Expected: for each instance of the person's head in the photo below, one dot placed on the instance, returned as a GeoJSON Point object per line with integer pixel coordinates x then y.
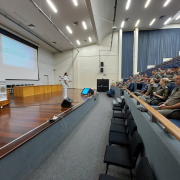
{"type": "Point", "coordinates": [162, 72]}
{"type": "Point", "coordinates": [159, 69]}
{"type": "Point", "coordinates": [128, 81]}
{"type": "Point", "coordinates": [130, 77]}
{"type": "Point", "coordinates": [176, 68]}
{"type": "Point", "coordinates": [169, 70]}
{"type": "Point", "coordinates": [153, 72]}
{"type": "Point", "coordinates": [164, 81]}
{"type": "Point", "coordinates": [177, 80]}
{"type": "Point", "coordinates": [65, 74]}
{"type": "Point", "coordinates": [145, 75]}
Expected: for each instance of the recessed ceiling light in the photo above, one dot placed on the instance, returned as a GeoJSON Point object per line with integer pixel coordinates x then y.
{"type": "Point", "coordinates": [52, 6]}
{"type": "Point", "coordinates": [147, 3]}
{"type": "Point", "coordinates": [122, 24]}
{"type": "Point", "coordinates": [78, 42]}
{"type": "Point", "coordinates": [178, 17]}
{"type": "Point", "coordinates": [75, 2]}
{"type": "Point", "coordinates": [90, 39]}
{"type": "Point", "coordinates": [167, 21]}
{"type": "Point", "coordinates": [128, 4]}
{"type": "Point", "coordinates": [166, 3]}
{"type": "Point", "coordinates": [84, 25]}
{"type": "Point", "coordinates": [68, 28]}
{"type": "Point", "coordinates": [152, 22]}
{"type": "Point", "coordinates": [53, 43]}
{"type": "Point", "coordinates": [137, 23]}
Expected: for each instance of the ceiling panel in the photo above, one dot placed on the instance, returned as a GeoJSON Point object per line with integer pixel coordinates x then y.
{"type": "Point", "coordinates": [103, 11]}
{"type": "Point", "coordinates": [26, 13]}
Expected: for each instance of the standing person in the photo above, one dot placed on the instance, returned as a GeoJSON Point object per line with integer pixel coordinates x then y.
{"type": "Point", "coordinates": [65, 85]}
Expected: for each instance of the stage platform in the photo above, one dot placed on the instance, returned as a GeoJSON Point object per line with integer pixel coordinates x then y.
{"type": "Point", "coordinates": [26, 117]}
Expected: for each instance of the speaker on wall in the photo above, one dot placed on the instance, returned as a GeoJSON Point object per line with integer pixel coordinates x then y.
{"type": "Point", "coordinates": [66, 103]}
{"type": "Point", "coordinates": [101, 69]}
{"type": "Point", "coordinates": [102, 64]}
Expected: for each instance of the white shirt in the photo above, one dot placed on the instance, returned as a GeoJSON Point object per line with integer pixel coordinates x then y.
{"type": "Point", "coordinates": [65, 79]}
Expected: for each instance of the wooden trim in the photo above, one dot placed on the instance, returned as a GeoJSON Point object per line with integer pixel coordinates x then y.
{"type": "Point", "coordinates": [173, 129]}
{"type": "Point", "coordinates": [22, 140]}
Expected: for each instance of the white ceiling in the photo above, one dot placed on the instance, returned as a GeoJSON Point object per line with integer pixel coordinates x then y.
{"type": "Point", "coordinates": [104, 9]}
{"type": "Point", "coordinates": [98, 15]}
{"type": "Point", "coordinates": [26, 13]}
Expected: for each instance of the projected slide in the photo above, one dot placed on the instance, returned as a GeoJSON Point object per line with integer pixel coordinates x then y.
{"type": "Point", "coordinates": [17, 60]}
{"type": "Point", "coordinates": [17, 54]}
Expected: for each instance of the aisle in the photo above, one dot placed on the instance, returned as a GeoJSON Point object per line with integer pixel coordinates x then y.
{"type": "Point", "coordinates": [80, 156]}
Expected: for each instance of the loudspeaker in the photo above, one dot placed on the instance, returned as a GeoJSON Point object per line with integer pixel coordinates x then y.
{"type": "Point", "coordinates": [101, 70]}
{"type": "Point", "coordinates": [102, 64]}
{"type": "Point", "coordinates": [66, 103]}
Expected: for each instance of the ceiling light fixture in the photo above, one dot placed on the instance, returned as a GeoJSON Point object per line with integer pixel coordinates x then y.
{"type": "Point", "coordinates": [78, 42]}
{"type": "Point", "coordinates": [167, 21]}
{"type": "Point", "coordinates": [90, 39]}
{"type": "Point", "coordinates": [178, 17]}
{"type": "Point", "coordinates": [75, 2]}
{"type": "Point", "coordinates": [137, 23]}
{"type": "Point", "coordinates": [52, 6]}
{"type": "Point", "coordinates": [147, 3]}
{"type": "Point", "coordinates": [152, 22]}
{"type": "Point", "coordinates": [128, 4]}
{"type": "Point", "coordinates": [68, 28]}
{"type": "Point", "coordinates": [166, 3]}
{"type": "Point", "coordinates": [84, 25]}
{"type": "Point", "coordinates": [122, 24]}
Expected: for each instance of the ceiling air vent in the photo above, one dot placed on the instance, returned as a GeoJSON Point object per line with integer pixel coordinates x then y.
{"type": "Point", "coordinates": [54, 43]}
{"type": "Point", "coordinates": [76, 23]}
{"type": "Point", "coordinates": [127, 19]}
{"type": "Point", "coordinates": [162, 17]}
{"type": "Point", "coordinates": [31, 26]}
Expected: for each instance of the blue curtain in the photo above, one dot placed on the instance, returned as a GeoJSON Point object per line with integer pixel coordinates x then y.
{"type": "Point", "coordinates": [127, 54]}
{"type": "Point", "coordinates": [155, 45]}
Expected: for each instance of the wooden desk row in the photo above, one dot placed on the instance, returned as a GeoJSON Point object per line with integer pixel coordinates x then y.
{"type": "Point", "coordinates": [24, 91]}
{"type": "Point", "coordinates": [4, 103]}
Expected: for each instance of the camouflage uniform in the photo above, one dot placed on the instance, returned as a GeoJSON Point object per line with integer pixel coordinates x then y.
{"type": "Point", "coordinates": [161, 91]}
{"type": "Point", "coordinates": [172, 100]}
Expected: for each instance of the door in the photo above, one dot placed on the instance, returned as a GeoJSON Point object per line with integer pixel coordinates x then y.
{"type": "Point", "coordinates": [46, 80]}
{"type": "Point", "coordinates": [102, 85]}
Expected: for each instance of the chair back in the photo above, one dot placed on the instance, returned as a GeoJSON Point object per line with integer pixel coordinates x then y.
{"type": "Point", "coordinates": [132, 127]}
{"type": "Point", "coordinates": [143, 171]}
{"type": "Point", "coordinates": [136, 147]}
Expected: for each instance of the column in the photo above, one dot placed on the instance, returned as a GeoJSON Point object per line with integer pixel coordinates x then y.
{"type": "Point", "coordinates": [135, 59]}
{"type": "Point", "coordinates": [120, 54]}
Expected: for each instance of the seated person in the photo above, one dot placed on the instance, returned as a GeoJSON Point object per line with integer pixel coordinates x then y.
{"type": "Point", "coordinates": [170, 73]}
{"type": "Point", "coordinates": [127, 84]}
{"type": "Point", "coordinates": [161, 93]}
{"type": "Point", "coordinates": [155, 74]}
{"type": "Point", "coordinates": [172, 103]}
{"type": "Point", "coordinates": [152, 87]}
{"type": "Point", "coordinates": [176, 71]}
{"type": "Point", "coordinates": [163, 74]}
{"type": "Point", "coordinates": [144, 90]}
{"type": "Point", "coordinates": [117, 83]}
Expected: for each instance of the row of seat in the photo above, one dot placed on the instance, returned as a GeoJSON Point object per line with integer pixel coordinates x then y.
{"type": "Point", "coordinates": [125, 145]}
{"type": "Point", "coordinates": [165, 65]}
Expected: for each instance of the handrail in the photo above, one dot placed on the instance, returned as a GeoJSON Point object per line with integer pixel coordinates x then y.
{"type": "Point", "coordinates": [173, 129]}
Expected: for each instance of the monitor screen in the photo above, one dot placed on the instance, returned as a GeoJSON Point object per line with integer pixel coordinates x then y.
{"type": "Point", "coordinates": [85, 91]}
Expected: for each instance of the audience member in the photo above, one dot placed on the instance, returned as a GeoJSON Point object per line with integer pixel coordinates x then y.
{"type": "Point", "coordinates": [173, 101]}
{"type": "Point", "coordinates": [161, 93]}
